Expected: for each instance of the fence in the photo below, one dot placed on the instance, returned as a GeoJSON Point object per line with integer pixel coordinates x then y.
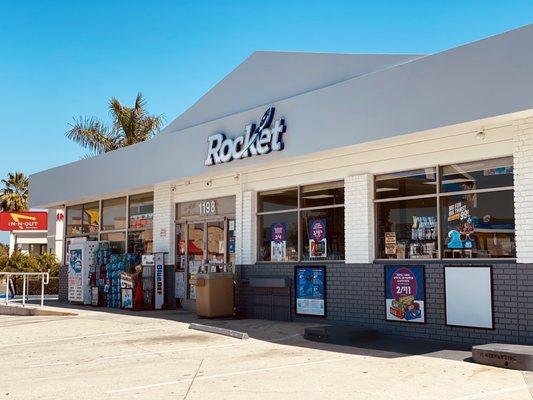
{"type": "Point", "coordinates": [45, 279]}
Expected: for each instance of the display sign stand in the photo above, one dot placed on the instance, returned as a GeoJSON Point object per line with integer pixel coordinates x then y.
{"type": "Point", "coordinates": [310, 290]}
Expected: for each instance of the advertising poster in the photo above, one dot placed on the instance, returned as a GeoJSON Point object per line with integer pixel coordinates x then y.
{"type": "Point", "coordinates": [278, 242]}
{"type": "Point", "coordinates": [310, 291]}
{"type": "Point", "coordinates": [317, 238]}
{"type": "Point", "coordinates": [126, 296]}
{"type": "Point", "coordinates": [459, 226]}
{"type": "Point", "coordinates": [405, 293]}
{"type": "Point", "coordinates": [390, 243]}
{"type": "Point", "coordinates": [75, 279]}
{"type": "Point", "coordinates": [159, 281]}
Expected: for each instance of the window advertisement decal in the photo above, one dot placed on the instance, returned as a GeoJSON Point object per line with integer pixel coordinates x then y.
{"type": "Point", "coordinates": [278, 242]}
{"type": "Point", "coordinates": [317, 238]}
{"type": "Point", "coordinates": [310, 290]}
{"type": "Point", "coordinates": [405, 293]}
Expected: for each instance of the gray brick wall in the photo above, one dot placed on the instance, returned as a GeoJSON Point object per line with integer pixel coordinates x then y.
{"type": "Point", "coordinates": [355, 295]}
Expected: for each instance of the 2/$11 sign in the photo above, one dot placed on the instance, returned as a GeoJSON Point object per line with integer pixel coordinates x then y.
{"type": "Point", "coordinates": [255, 141]}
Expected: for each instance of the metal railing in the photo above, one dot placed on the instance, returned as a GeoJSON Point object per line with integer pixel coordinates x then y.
{"type": "Point", "coordinates": [45, 279]}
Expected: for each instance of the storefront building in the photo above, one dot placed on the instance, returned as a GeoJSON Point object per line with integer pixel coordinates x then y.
{"type": "Point", "coordinates": [388, 191]}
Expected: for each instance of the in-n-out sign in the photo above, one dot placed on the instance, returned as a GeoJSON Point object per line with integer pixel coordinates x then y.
{"type": "Point", "coordinates": [254, 141]}
{"type": "Point", "coordinates": [24, 221]}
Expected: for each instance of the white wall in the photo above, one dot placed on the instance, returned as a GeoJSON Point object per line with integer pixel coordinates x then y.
{"type": "Point", "coordinates": [356, 166]}
{"type": "Point", "coordinates": [523, 194]}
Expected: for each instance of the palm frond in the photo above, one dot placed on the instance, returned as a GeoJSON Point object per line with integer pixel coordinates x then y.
{"type": "Point", "coordinates": [92, 134]}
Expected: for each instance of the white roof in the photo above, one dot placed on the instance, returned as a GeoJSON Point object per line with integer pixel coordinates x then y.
{"type": "Point", "coordinates": [270, 76]}
{"type": "Point", "coordinates": [384, 98]}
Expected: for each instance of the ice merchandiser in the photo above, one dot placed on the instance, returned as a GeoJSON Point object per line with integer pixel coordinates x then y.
{"type": "Point", "coordinates": [81, 258]}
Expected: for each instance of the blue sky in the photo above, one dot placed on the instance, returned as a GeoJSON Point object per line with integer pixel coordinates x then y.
{"type": "Point", "coordinates": [61, 59]}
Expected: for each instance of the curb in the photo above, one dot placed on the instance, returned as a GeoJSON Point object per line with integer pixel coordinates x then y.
{"type": "Point", "coordinates": [220, 331]}
{"type": "Point", "coordinates": [31, 311]}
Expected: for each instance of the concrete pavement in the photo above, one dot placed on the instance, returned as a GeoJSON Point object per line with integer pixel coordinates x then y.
{"type": "Point", "coordinates": [117, 355]}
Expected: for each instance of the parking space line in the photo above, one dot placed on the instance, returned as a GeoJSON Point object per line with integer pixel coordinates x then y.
{"type": "Point", "coordinates": [84, 337]}
{"type": "Point", "coordinates": [224, 375]}
{"type": "Point", "coordinates": [149, 353]}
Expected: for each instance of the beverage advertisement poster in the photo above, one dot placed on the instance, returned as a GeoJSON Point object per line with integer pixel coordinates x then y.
{"type": "Point", "coordinates": [126, 297]}
{"type": "Point", "coordinates": [405, 293]}
{"type": "Point", "coordinates": [310, 290]}
{"type": "Point", "coordinates": [75, 279]}
{"type": "Point", "coordinates": [278, 242]}
{"type": "Point", "coordinates": [317, 238]}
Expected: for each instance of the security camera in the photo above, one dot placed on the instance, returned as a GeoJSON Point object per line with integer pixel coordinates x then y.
{"type": "Point", "coordinates": [208, 183]}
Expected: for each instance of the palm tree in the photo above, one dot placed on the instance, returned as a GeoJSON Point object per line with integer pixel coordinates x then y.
{"type": "Point", "coordinates": [14, 195]}
{"type": "Point", "coordinates": [130, 125]}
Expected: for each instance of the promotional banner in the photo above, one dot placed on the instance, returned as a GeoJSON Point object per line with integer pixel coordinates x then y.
{"type": "Point", "coordinates": [75, 279]}
{"type": "Point", "coordinates": [278, 242]}
{"type": "Point", "coordinates": [317, 238]}
{"type": "Point", "coordinates": [405, 293]}
{"type": "Point", "coordinates": [310, 290]}
{"type": "Point", "coordinates": [24, 221]}
{"type": "Point", "coordinates": [159, 280]}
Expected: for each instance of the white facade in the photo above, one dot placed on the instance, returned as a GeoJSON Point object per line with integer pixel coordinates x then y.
{"type": "Point", "coordinates": [348, 120]}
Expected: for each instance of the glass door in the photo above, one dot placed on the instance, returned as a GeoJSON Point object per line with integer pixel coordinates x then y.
{"type": "Point", "coordinates": [216, 243]}
{"type": "Point", "coordinates": [195, 252]}
{"type": "Point", "coordinates": [208, 241]}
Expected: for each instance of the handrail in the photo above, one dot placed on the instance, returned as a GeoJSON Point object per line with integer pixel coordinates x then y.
{"type": "Point", "coordinates": [45, 280]}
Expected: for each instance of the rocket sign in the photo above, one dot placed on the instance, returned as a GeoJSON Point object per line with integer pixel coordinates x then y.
{"type": "Point", "coordinates": [24, 221]}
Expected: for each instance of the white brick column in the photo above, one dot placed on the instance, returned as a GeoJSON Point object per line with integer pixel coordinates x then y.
{"type": "Point", "coordinates": [164, 220]}
{"type": "Point", "coordinates": [359, 218]}
{"type": "Point", "coordinates": [245, 221]}
{"type": "Point", "coordinates": [523, 189]}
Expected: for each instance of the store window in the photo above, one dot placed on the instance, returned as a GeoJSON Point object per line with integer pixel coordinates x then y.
{"type": "Point", "coordinates": [141, 216]}
{"type": "Point", "coordinates": [303, 223]}
{"type": "Point", "coordinates": [141, 211]}
{"type": "Point", "coordinates": [278, 237]}
{"type": "Point", "coordinates": [140, 242]}
{"type": "Point", "coordinates": [489, 174]}
{"type": "Point", "coordinates": [107, 220]}
{"type": "Point", "coordinates": [114, 214]}
{"type": "Point", "coordinates": [407, 228]}
{"type": "Point", "coordinates": [408, 183]}
{"type": "Point", "coordinates": [74, 223]}
{"type": "Point", "coordinates": [478, 218]}
{"type": "Point", "coordinates": [91, 218]}
{"type": "Point", "coordinates": [117, 241]}
{"type": "Point", "coordinates": [476, 212]}
{"type": "Point", "coordinates": [37, 249]}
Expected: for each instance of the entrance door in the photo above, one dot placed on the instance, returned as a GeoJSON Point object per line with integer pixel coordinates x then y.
{"type": "Point", "coordinates": [211, 244]}
{"type": "Point", "coordinates": [216, 242]}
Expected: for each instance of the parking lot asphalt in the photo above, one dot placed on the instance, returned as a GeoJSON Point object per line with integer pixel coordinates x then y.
{"type": "Point", "coordinates": [104, 354]}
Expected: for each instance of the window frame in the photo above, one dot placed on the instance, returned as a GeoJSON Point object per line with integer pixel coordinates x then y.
{"type": "Point", "coordinates": [438, 196]}
{"type": "Point", "coordinates": [298, 210]}
{"type": "Point", "coordinates": [100, 232]}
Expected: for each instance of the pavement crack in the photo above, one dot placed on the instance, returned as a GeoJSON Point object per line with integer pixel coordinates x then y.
{"type": "Point", "coordinates": [193, 378]}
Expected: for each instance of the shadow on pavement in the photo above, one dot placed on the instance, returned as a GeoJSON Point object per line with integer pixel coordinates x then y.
{"type": "Point", "coordinates": [291, 334]}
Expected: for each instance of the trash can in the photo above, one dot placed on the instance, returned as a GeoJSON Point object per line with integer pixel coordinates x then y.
{"type": "Point", "coordinates": [214, 294]}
